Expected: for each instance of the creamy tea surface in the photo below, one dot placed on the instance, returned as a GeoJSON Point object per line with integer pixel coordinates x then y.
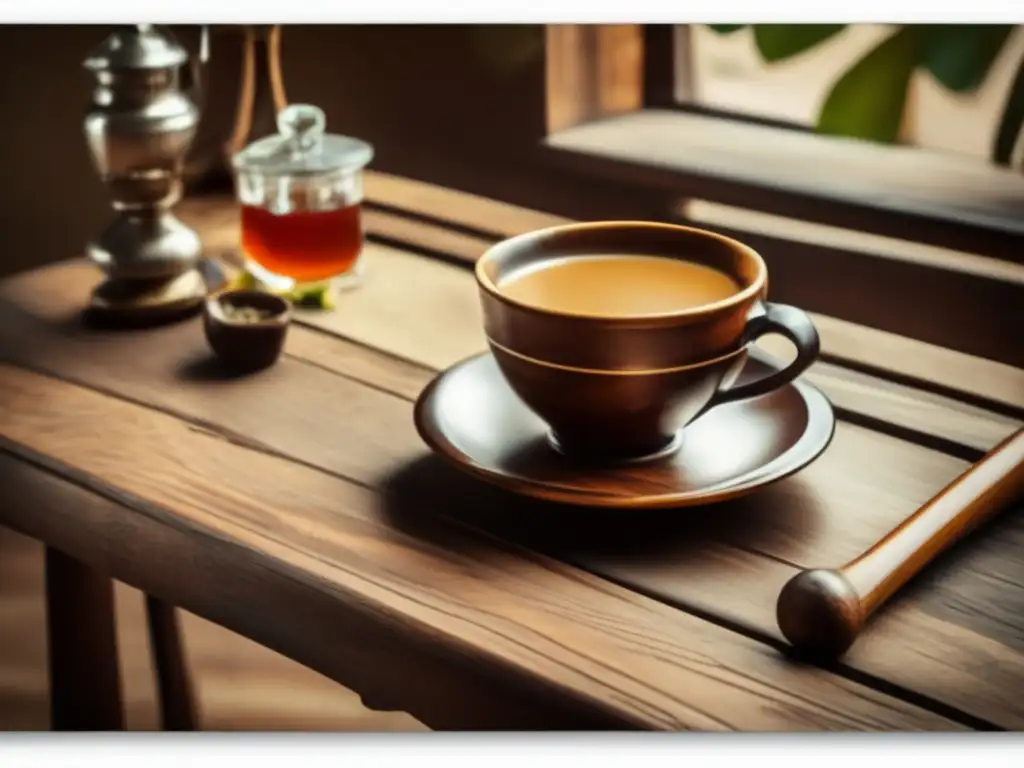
{"type": "Point", "coordinates": [614, 285]}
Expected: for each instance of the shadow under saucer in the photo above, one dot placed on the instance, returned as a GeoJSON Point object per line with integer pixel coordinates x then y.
{"type": "Point", "coordinates": [421, 492]}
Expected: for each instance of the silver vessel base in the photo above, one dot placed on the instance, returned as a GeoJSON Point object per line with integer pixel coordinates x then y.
{"type": "Point", "coordinates": [149, 300]}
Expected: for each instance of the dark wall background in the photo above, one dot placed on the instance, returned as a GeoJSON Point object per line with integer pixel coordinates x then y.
{"type": "Point", "coordinates": [427, 97]}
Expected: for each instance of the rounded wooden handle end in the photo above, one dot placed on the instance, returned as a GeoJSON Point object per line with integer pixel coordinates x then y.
{"type": "Point", "coordinates": [820, 612]}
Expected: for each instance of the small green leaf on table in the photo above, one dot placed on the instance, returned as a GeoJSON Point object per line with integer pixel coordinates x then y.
{"type": "Point", "coordinates": [319, 296]}
{"type": "Point", "coordinates": [777, 42]}
{"type": "Point", "coordinates": [316, 297]}
{"type": "Point", "coordinates": [243, 280]}
{"type": "Point", "coordinates": [867, 102]}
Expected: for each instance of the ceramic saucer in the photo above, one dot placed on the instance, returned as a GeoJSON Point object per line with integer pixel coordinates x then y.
{"type": "Point", "coordinates": [472, 418]}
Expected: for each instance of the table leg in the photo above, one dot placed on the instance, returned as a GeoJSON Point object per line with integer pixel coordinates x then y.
{"type": "Point", "coordinates": [85, 682]}
{"type": "Point", "coordinates": [174, 688]}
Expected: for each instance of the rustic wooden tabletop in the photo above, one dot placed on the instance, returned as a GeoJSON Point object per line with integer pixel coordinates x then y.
{"type": "Point", "coordinates": [299, 507]}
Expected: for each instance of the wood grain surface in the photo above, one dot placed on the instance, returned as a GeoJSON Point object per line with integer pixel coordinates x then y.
{"type": "Point", "coordinates": [890, 402]}
{"type": "Point", "coordinates": [146, 420]}
{"type": "Point", "coordinates": [230, 469]}
{"type": "Point", "coordinates": [619, 652]}
{"type": "Point", "coordinates": [429, 214]}
{"type": "Point", "coordinates": [865, 484]}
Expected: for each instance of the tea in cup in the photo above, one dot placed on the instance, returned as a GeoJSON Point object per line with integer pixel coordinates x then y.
{"type": "Point", "coordinates": [619, 334]}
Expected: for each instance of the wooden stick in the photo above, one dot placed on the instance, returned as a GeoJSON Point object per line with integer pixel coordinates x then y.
{"type": "Point", "coordinates": [821, 612]}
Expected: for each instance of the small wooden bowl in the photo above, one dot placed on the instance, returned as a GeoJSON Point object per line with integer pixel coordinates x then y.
{"type": "Point", "coordinates": [246, 344]}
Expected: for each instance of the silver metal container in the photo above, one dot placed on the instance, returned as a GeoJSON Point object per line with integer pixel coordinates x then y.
{"type": "Point", "coordinates": [138, 128]}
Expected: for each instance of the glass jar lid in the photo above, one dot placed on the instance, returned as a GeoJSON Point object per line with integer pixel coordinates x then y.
{"type": "Point", "coordinates": [301, 147]}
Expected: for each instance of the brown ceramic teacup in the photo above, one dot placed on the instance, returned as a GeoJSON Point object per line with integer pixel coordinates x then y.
{"type": "Point", "coordinates": [619, 334]}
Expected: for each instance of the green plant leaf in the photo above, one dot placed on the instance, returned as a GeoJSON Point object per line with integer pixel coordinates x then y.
{"type": "Point", "coordinates": [867, 102]}
{"type": "Point", "coordinates": [961, 55]}
{"type": "Point", "coordinates": [782, 41]}
{"type": "Point", "coordinates": [726, 29]}
{"type": "Point", "coordinates": [1012, 121]}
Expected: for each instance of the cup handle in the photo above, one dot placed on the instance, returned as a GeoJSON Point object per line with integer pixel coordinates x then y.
{"type": "Point", "coordinates": [796, 326]}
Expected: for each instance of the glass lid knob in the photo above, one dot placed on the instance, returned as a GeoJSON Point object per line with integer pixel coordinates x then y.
{"type": "Point", "coordinates": [302, 125]}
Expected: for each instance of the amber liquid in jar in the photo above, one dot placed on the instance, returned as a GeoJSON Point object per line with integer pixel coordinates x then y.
{"type": "Point", "coordinates": [305, 246]}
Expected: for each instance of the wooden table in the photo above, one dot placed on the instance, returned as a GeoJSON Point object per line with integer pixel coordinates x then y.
{"type": "Point", "coordinates": [299, 507]}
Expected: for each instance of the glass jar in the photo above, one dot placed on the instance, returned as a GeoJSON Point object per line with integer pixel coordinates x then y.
{"type": "Point", "coordinates": [301, 191]}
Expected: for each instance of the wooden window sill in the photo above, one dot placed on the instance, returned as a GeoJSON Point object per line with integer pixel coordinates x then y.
{"type": "Point", "coordinates": [913, 242]}
{"type": "Point", "coordinates": [896, 191]}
